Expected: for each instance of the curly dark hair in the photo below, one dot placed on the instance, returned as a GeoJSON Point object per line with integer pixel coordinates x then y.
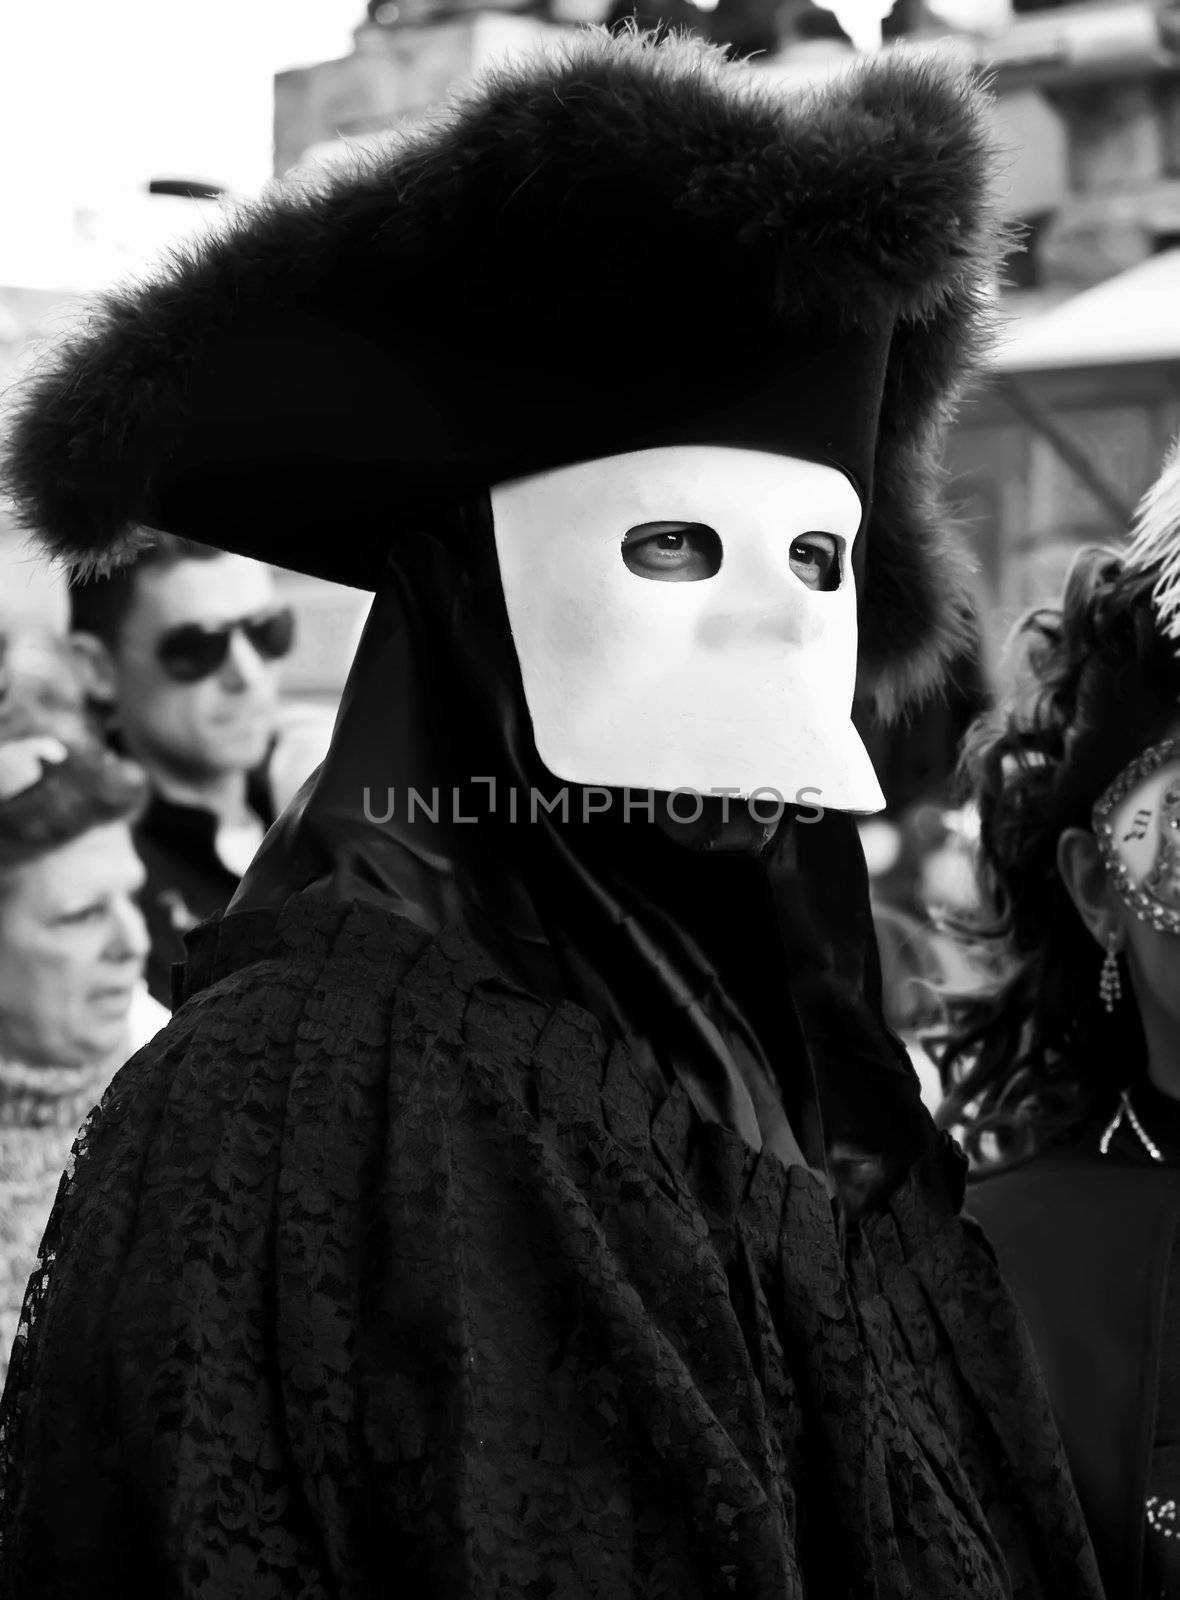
{"type": "Point", "coordinates": [88, 787]}
{"type": "Point", "coordinates": [1027, 1059]}
{"type": "Point", "coordinates": [39, 700]}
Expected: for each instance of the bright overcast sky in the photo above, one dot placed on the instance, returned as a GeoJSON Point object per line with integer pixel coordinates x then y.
{"type": "Point", "coordinates": [99, 94]}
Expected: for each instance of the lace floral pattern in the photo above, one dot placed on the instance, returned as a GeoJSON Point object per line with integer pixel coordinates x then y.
{"type": "Point", "coordinates": [375, 1275]}
{"type": "Point", "coordinates": [40, 1111]}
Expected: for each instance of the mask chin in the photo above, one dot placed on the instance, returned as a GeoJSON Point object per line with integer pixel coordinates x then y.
{"type": "Point", "coordinates": [724, 826]}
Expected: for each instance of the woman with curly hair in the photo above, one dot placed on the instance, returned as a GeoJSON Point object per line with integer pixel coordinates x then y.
{"type": "Point", "coordinates": [1063, 1074]}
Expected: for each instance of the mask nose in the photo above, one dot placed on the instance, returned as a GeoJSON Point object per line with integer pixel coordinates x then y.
{"type": "Point", "coordinates": [767, 606]}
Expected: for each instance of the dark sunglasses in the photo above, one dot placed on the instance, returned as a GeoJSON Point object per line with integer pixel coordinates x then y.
{"type": "Point", "coordinates": [190, 652]}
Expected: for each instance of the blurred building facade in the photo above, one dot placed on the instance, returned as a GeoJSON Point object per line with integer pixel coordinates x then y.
{"type": "Point", "coordinates": [1084, 397]}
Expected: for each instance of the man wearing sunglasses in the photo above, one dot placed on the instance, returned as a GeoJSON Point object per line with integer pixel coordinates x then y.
{"type": "Point", "coordinates": [184, 648]}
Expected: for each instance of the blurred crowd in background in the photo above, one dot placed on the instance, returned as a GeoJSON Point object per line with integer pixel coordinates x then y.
{"type": "Point", "coordinates": [144, 749]}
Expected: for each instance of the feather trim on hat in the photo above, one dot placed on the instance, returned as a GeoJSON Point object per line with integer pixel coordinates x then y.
{"type": "Point", "coordinates": [1155, 542]}
{"type": "Point", "coordinates": [866, 201]}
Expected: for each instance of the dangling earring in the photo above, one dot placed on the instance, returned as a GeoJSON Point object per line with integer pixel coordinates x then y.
{"type": "Point", "coordinates": [1110, 983]}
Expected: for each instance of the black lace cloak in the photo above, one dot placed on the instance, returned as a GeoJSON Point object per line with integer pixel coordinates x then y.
{"type": "Point", "coordinates": [471, 1230]}
{"type": "Point", "coordinates": [376, 1275]}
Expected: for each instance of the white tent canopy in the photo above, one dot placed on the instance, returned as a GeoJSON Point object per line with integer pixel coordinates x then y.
{"type": "Point", "coordinates": [1131, 318]}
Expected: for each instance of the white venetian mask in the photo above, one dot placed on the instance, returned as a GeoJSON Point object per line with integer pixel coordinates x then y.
{"type": "Point", "coordinates": [685, 618]}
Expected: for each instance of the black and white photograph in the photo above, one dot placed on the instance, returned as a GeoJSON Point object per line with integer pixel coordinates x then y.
{"type": "Point", "coordinates": [590, 800]}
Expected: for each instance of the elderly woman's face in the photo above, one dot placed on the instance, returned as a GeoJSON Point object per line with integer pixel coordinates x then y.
{"type": "Point", "coordinates": [72, 948]}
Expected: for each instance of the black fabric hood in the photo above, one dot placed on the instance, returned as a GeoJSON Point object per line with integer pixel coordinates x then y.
{"type": "Point", "coordinates": [735, 956]}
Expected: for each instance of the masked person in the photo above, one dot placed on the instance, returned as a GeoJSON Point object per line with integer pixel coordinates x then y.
{"type": "Point", "coordinates": [1065, 1071]}
{"type": "Point", "coordinates": [527, 1197]}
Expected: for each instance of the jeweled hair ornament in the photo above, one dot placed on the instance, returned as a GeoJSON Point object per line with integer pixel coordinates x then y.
{"type": "Point", "coordinates": [1136, 822]}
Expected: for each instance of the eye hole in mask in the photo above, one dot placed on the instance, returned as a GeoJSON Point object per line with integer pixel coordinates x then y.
{"type": "Point", "coordinates": [815, 560]}
{"type": "Point", "coordinates": [672, 552]}
{"type": "Point", "coordinates": [688, 552]}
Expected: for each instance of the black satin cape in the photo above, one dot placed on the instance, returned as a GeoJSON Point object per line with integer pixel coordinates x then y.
{"type": "Point", "coordinates": [522, 1209]}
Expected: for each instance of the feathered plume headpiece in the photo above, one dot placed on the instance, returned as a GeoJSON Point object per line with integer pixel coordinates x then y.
{"type": "Point", "coordinates": [1154, 550]}
{"type": "Point", "coordinates": [618, 244]}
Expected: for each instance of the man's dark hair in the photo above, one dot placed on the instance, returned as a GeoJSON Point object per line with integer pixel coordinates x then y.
{"type": "Point", "coordinates": [99, 605]}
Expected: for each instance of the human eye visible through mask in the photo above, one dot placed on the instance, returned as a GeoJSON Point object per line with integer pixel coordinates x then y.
{"type": "Point", "coordinates": [688, 552]}
{"type": "Point", "coordinates": [672, 552]}
{"type": "Point", "coordinates": [815, 560]}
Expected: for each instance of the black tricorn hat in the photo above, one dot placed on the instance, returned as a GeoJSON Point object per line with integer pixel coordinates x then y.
{"type": "Point", "coordinates": [620, 243]}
